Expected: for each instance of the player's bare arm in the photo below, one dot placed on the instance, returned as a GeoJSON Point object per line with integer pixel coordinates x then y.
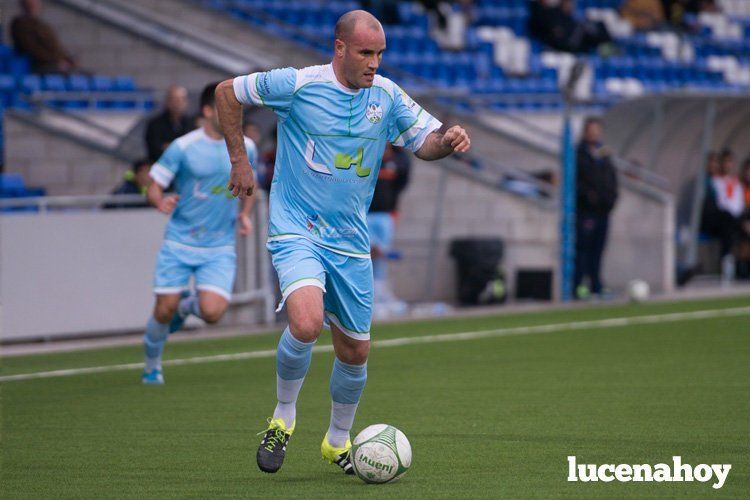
{"type": "Point", "coordinates": [439, 145]}
{"type": "Point", "coordinates": [241, 179]}
{"type": "Point", "coordinates": [243, 218]}
{"type": "Point", "coordinates": [156, 198]}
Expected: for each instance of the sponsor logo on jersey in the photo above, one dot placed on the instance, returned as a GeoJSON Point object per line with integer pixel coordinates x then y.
{"type": "Point", "coordinates": [374, 112]}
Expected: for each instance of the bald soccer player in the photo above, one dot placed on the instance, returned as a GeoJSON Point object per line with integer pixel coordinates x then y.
{"type": "Point", "coordinates": [333, 123]}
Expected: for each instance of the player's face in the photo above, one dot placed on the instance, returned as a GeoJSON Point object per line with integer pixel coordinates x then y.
{"type": "Point", "coordinates": [362, 56]}
{"type": "Point", "coordinates": [211, 116]}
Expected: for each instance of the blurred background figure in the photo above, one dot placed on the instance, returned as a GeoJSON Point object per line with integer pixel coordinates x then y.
{"type": "Point", "coordinates": [553, 23]}
{"type": "Point", "coordinates": [33, 37]}
{"type": "Point", "coordinates": [170, 124]}
{"type": "Point", "coordinates": [597, 194]}
{"type": "Point", "coordinates": [723, 209]}
{"type": "Point", "coordinates": [643, 15]}
{"type": "Point", "coordinates": [251, 130]}
{"type": "Point", "coordinates": [392, 179]}
{"type": "Point", "coordinates": [135, 181]}
{"type": "Point", "coordinates": [385, 10]}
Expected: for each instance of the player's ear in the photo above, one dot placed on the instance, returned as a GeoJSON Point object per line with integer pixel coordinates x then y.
{"type": "Point", "coordinates": [339, 47]}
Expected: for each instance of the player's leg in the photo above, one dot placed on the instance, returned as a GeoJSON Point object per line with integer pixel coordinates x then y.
{"type": "Point", "coordinates": [302, 281]}
{"type": "Point", "coordinates": [170, 280]}
{"type": "Point", "coordinates": [348, 309]}
{"type": "Point", "coordinates": [214, 280]}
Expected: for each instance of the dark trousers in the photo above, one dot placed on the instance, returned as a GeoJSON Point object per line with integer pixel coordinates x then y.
{"type": "Point", "coordinates": [591, 238]}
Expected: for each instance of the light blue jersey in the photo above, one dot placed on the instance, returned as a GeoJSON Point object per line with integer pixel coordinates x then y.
{"type": "Point", "coordinates": [330, 145]}
{"type": "Point", "coordinates": [206, 212]}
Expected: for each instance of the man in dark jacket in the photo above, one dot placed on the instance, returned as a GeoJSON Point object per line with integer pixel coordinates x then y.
{"type": "Point", "coordinates": [555, 25]}
{"type": "Point", "coordinates": [34, 38]}
{"type": "Point", "coordinates": [596, 187]}
{"type": "Point", "coordinates": [170, 124]}
{"type": "Point", "coordinates": [392, 179]}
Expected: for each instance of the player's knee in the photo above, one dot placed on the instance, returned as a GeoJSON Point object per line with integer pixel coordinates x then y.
{"type": "Point", "coordinates": [357, 353]}
{"type": "Point", "coordinates": [163, 312]}
{"type": "Point", "coordinates": [212, 313]}
{"type": "Point", "coordinates": [307, 328]}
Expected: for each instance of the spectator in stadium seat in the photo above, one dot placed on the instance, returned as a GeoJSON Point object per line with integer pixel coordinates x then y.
{"type": "Point", "coordinates": [392, 179]}
{"type": "Point", "coordinates": [135, 181]}
{"type": "Point", "coordinates": [171, 123]}
{"type": "Point", "coordinates": [553, 23]}
{"type": "Point", "coordinates": [449, 21]}
{"type": "Point", "coordinates": [597, 191]}
{"type": "Point", "coordinates": [34, 38]}
{"type": "Point", "coordinates": [385, 10]}
{"type": "Point", "coordinates": [643, 15]}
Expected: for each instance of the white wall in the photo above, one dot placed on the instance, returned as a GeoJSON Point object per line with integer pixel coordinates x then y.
{"type": "Point", "coordinates": [77, 272]}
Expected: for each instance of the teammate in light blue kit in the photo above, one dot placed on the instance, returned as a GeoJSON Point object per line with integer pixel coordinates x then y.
{"type": "Point", "coordinates": [200, 234]}
{"type": "Point", "coordinates": [333, 123]}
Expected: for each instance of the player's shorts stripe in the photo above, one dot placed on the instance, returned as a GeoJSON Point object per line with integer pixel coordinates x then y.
{"type": "Point", "coordinates": [170, 290]}
{"type": "Point", "coordinates": [215, 289]}
{"type": "Point", "coordinates": [348, 332]}
{"type": "Point", "coordinates": [296, 285]}
{"type": "Point", "coordinates": [161, 174]}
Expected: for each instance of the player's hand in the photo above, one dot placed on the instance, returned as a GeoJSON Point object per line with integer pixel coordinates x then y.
{"type": "Point", "coordinates": [457, 138]}
{"type": "Point", "coordinates": [241, 180]}
{"type": "Point", "coordinates": [167, 203]}
{"type": "Point", "coordinates": [246, 224]}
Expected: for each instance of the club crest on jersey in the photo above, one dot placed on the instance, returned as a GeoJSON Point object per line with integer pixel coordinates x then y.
{"type": "Point", "coordinates": [374, 112]}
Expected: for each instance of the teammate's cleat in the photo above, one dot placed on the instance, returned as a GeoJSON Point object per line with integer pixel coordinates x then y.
{"type": "Point", "coordinates": [154, 377]}
{"type": "Point", "coordinates": [178, 320]}
{"type": "Point", "coordinates": [272, 448]}
{"type": "Point", "coordinates": [338, 456]}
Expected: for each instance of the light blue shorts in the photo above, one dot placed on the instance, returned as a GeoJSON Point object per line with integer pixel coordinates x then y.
{"type": "Point", "coordinates": [346, 282]}
{"type": "Point", "coordinates": [214, 269]}
{"type": "Point", "coordinates": [381, 228]}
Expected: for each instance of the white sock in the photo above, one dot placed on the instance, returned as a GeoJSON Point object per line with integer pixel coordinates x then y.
{"type": "Point", "coordinates": [342, 419]}
{"type": "Point", "coordinates": [286, 393]}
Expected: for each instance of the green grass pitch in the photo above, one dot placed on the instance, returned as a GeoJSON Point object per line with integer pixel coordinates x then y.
{"type": "Point", "coordinates": [491, 417]}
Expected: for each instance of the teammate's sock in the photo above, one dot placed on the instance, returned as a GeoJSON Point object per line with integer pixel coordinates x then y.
{"type": "Point", "coordinates": [292, 361]}
{"type": "Point", "coordinates": [189, 305]}
{"type": "Point", "coordinates": [347, 384]}
{"type": "Point", "coordinates": [153, 343]}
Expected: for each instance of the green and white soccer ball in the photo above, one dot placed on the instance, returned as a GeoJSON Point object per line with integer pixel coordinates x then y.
{"type": "Point", "coordinates": [381, 453]}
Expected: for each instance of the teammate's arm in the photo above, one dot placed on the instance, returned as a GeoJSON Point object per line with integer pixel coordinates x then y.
{"type": "Point", "coordinates": [155, 195]}
{"type": "Point", "coordinates": [241, 178]}
{"type": "Point", "coordinates": [438, 145]}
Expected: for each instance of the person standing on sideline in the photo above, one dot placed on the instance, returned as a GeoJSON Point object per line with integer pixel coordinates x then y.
{"type": "Point", "coordinates": [596, 188]}
{"type": "Point", "coordinates": [171, 123]}
{"type": "Point", "coordinates": [381, 223]}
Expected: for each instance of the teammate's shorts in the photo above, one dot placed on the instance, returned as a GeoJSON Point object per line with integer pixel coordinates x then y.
{"type": "Point", "coordinates": [214, 269]}
{"type": "Point", "coordinates": [346, 282]}
{"type": "Point", "coordinates": [381, 228]}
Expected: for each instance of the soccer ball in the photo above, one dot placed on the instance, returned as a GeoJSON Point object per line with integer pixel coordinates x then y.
{"type": "Point", "coordinates": [381, 453]}
{"type": "Point", "coordinates": [638, 291]}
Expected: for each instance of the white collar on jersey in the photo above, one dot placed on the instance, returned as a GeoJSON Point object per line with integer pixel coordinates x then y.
{"type": "Point", "coordinates": [332, 75]}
